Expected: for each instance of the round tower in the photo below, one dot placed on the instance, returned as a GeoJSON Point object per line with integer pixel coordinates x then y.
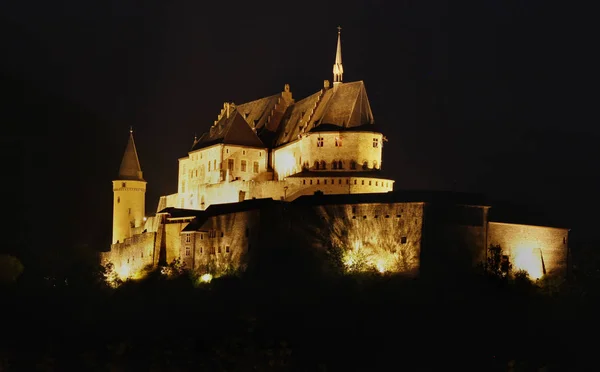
{"type": "Point", "coordinates": [129, 192]}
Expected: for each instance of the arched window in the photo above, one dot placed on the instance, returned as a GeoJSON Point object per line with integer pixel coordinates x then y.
{"type": "Point", "coordinates": [334, 165]}
{"type": "Point", "coordinates": [340, 165]}
{"type": "Point", "coordinates": [352, 164]}
{"type": "Point", "coordinates": [316, 165]}
{"type": "Point", "coordinates": [323, 164]}
{"type": "Point", "coordinates": [365, 165]}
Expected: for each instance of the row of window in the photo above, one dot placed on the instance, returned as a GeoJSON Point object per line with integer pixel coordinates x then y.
{"type": "Point", "coordinates": [211, 235]}
{"type": "Point", "coordinates": [339, 164]}
{"type": "Point", "coordinates": [339, 182]}
{"type": "Point", "coordinates": [211, 250]}
{"type": "Point", "coordinates": [338, 142]}
{"type": "Point", "coordinates": [195, 157]}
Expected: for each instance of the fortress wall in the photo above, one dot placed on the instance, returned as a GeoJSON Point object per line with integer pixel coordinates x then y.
{"type": "Point", "coordinates": [524, 243]}
{"type": "Point", "coordinates": [388, 236]}
{"type": "Point", "coordinates": [172, 240]}
{"type": "Point", "coordinates": [132, 256]}
{"type": "Point", "coordinates": [221, 242]}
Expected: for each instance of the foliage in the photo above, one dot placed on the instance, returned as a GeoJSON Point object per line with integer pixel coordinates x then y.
{"type": "Point", "coordinates": [496, 264]}
{"type": "Point", "coordinates": [10, 269]}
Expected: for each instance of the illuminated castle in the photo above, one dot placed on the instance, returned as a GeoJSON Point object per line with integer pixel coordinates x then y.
{"type": "Point", "coordinates": [308, 168]}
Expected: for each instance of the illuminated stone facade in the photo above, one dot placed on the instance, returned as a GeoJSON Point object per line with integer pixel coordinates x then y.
{"type": "Point", "coordinates": [319, 160]}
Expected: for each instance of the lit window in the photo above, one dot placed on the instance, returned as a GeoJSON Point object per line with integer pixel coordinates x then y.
{"type": "Point", "coordinates": [243, 165]}
{"type": "Point", "coordinates": [320, 142]}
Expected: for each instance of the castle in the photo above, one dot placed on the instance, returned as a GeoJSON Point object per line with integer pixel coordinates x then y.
{"type": "Point", "coordinates": [276, 170]}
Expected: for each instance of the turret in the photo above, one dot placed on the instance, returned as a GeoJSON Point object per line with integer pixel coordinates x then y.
{"type": "Point", "coordinates": [129, 192]}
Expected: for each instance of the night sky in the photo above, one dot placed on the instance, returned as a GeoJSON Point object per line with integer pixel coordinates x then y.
{"type": "Point", "coordinates": [482, 97]}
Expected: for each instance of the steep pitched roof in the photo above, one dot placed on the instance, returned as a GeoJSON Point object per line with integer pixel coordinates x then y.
{"type": "Point", "coordinates": [346, 106]}
{"type": "Point", "coordinates": [130, 165]}
{"type": "Point", "coordinates": [232, 130]}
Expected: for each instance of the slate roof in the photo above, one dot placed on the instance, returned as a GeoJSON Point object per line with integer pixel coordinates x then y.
{"type": "Point", "coordinates": [130, 165]}
{"type": "Point", "coordinates": [345, 107]}
{"type": "Point", "coordinates": [232, 130]}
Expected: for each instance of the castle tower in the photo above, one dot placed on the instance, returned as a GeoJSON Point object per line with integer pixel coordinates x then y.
{"type": "Point", "coordinates": [338, 70]}
{"type": "Point", "coordinates": [129, 192]}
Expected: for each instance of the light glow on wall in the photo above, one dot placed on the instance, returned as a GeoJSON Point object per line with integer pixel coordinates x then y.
{"type": "Point", "coordinates": [285, 164]}
{"type": "Point", "coordinates": [529, 260]}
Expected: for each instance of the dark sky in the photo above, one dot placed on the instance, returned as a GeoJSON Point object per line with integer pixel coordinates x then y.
{"type": "Point", "coordinates": [484, 96]}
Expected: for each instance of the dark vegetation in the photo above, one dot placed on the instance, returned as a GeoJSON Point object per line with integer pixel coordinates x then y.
{"type": "Point", "coordinates": [305, 317]}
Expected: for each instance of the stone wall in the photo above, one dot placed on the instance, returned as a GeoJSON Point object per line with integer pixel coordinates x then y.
{"type": "Point", "coordinates": [128, 208]}
{"type": "Point", "coordinates": [532, 248]}
{"type": "Point", "coordinates": [221, 242]}
{"type": "Point", "coordinates": [133, 255]}
{"type": "Point", "coordinates": [358, 147]}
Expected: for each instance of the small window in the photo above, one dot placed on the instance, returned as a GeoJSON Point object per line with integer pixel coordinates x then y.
{"type": "Point", "coordinates": [311, 182]}
{"type": "Point", "coordinates": [375, 142]}
{"type": "Point", "coordinates": [124, 184]}
{"type": "Point", "coordinates": [227, 249]}
{"type": "Point", "coordinates": [362, 182]}
{"type": "Point", "coordinates": [365, 165]}
{"type": "Point", "coordinates": [318, 182]}
{"type": "Point", "coordinates": [255, 167]}
{"type": "Point", "coordinates": [187, 238]}
{"type": "Point", "coordinates": [355, 182]}
{"type": "Point", "coordinates": [317, 165]}
{"type": "Point", "coordinates": [129, 211]}
{"type": "Point", "coordinates": [352, 164]}
{"type": "Point", "coordinates": [369, 183]}
{"type": "Point", "coordinates": [222, 234]}
{"type": "Point", "coordinates": [209, 166]}
{"type": "Point", "coordinates": [340, 164]}
{"type": "Point", "coordinates": [201, 250]}
{"type": "Point", "coordinates": [187, 251]}
{"type": "Point", "coordinates": [403, 240]}
{"type": "Point", "coordinates": [243, 152]}
{"type": "Point", "coordinates": [304, 182]}
{"type": "Point", "coordinates": [325, 182]}
{"type": "Point", "coordinates": [323, 164]}
{"type": "Point", "coordinates": [230, 164]}
{"type": "Point", "coordinates": [219, 249]}
{"type": "Point", "coordinates": [320, 142]}
{"type": "Point", "coordinates": [338, 142]}
{"type": "Point", "coordinates": [118, 199]}
{"type": "Point", "coordinates": [243, 165]}
{"type": "Point", "coordinates": [201, 236]}
{"type": "Point", "coordinates": [340, 181]}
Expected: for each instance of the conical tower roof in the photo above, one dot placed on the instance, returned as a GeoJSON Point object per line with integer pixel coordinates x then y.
{"type": "Point", "coordinates": [130, 165]}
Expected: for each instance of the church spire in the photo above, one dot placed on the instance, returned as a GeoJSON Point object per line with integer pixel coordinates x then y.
{"type": "Point", "coordinates": [338, 70]}
{"type": "Point", "coordinates": [130, 165]}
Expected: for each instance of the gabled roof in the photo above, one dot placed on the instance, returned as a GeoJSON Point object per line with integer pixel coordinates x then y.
{"type": "Point", "coordinates": [231, 129]}
{"type": "Point", "coordinates": [130, 165]}
{"type": "Point", "coordinates": [345, 106]}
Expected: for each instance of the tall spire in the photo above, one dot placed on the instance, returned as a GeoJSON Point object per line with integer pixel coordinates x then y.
{"type": "Point", "coordinates": [130, 165]}
{"type": "Point", "coordinates": [338, 70]}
